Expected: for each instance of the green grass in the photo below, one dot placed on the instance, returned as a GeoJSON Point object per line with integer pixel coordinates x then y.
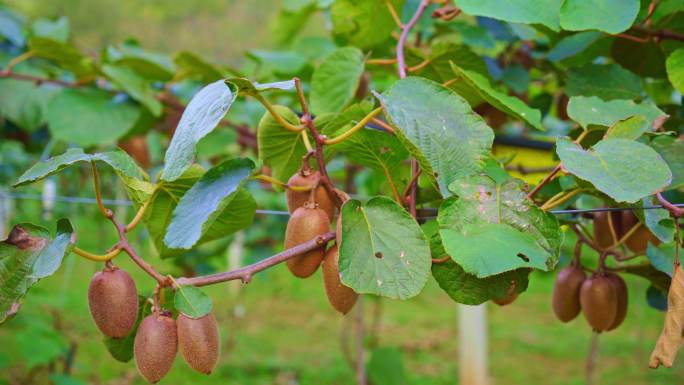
{"type": "Point", "coordinates": [280, 330]}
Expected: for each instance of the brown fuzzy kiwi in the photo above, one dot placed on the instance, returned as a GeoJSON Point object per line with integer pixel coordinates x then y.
{"type": "Point", "coordinates": [602, 232]}
{"type": "Point", "coordinates": [341, 297]}
{"type": "Point", "coordinates": [198, 339]}
{"type": "Point", "coordinates": [155, 346]}
{"type": "Point", "coordinates": [508, 298]}
{"type": "Point", "coordinates": [113, 302]}
{"type": "Point", "coordinates": [598, 298]}
{"type": "Point", "coordinates": [622, 299]}
{"type": "Point", "coordinates": [638, 241]}
{"type": "Point", "coordinates": [566, 293]}
{"type": "Point", "coordinates": [305, 224]}
{"type": "Point", "coordinates": [296, 199]}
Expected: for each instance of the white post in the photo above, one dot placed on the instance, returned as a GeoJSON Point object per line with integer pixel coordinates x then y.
{"type": "Point", "coordinates": [472, 345]}
{"type": "Point", "coordinates": [48, 198]}
{"type": "Point", "coordinates": [235, 257]}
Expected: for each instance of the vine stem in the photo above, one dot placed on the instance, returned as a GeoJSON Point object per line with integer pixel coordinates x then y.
{"type": "Point", "coordinates": [245, 273]}
{"type": "Point", "coordinates": [674, 210]}
{"type": "Point", "coordinates": [544, 181]}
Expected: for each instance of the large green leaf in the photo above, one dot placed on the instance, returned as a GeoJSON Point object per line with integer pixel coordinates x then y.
{"type": "Point", "coordinates": [363, 23]}
{"type": "Point", "coordinates": [476, 227]}
{"type": "Point", "coordinates": [672, 150]}
{"type": "Point", "coordinates": [148, 64]}
{"type": "Point", "coordinates": [572, 45]}
{"type": "Point", "coordinates": [192, 301]}
{"type": "Point", "coordinates": [336, 79]}
{"type": "Point", "coordinates": [612, 16]}
{"type": "Point", "coordinates": [592, 110]}
{"type": "Point", "coordinates": [630, 128]}
{"type": "Point", "coordinates": [662, 257]}
{"type": "Point", "coordinates": [135, 85]}
{"type": "Point", "coordinates": [675, 69]}
{"type": "Point", "coordinates": [280, 149]}
{"type": "Point", "coordinates": [118, 159]}
{"type": "Point", "coordinates": [200, 206]}
{"type": "Point", "coordinates": [516, 11]}
{"type": "Point", "coordinates": [89, 117]}
{"type": "Point", "coordinates": [54, 29]}
{"type": "Point", "coordinates": [467, 288]}
{"type": "Point", "coordinates": [193, 65]}
{"type": "Point", "coordinates": [386, 367]}
{"type": "Point", "coordinates": [238, 213]}
{"type": "Point", "coordinates": [201, 116]}
{"type": "Point", "coordinates": [500, 100]}
{"type": "Point", "coordinates": [607, 81]}
{"type": "Point", "coordinates": [27, 255]}
{"type": "Point", "coordinates": [438, 127]}
{"type": "Point", "coordinates": [611, 167]}
{"type": "Point", "coordinates": [369, 147]}
{"type": "Point", "coordinates": [646, 59]}
{"type": "Point", "coordinates": [383, 251]}
{"type": "Point", "coordinates": [25, 103]}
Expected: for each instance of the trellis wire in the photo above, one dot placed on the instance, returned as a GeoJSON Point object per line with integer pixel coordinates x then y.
{"type": "Point", "coordinates": [123, 202]}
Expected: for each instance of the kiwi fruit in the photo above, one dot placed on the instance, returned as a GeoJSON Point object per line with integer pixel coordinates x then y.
{"type": "Point", "coordinates": [305, 224]}
{"type": "Point", "coordinates": [198, 339]}
{"type": "Point", "coordinates": [138, 149]}
{"type": "Point", "coordinates": [155, 346]}
{"type": "Point", "coordinates": [598, 298]}
{"type": "Point", "coordinates": [566, 293]}
{"type": "Point", "coordinates": [508, 299]}
{"type": "Point", "coordinates": [296, 199]}
{"type": "Point", "coordinates": [113, 302]}
{"type": "Point", "coordinates": [638, 241]}
{"type": "Point", "coordinates": [341, 297]}
{"type": "Point", "coordinates": [622, 299]}
{"type": "Point", "coordinates": [602, 233]}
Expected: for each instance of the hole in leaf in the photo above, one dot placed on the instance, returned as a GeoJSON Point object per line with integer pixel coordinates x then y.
{"type": "Point", "coordinates": [523, 257]}
{"type": "Point", "coordinates": [378, 255]}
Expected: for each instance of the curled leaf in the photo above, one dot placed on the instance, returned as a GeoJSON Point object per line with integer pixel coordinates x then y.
{"type": "Point", "coordinates": [670, 338]}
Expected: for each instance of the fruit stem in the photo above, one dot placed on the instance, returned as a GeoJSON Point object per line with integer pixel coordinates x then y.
{"type": "Point", "coordinates": [107, 213]}
{"type": "Point", "coordinates": [97, 257]}
{"type": "Point", "coordinates": [559, 199]}
{"type": "Point", "coordinates": [307, 142]}
{"type": "Point", "coordinates": [395, 16]}
{"type": "Point", "coordinates": [361, 124]}
{"type": "Point", "coordinates": [138, 216]}
{"type": "Point", "coordinates": [544, 181]}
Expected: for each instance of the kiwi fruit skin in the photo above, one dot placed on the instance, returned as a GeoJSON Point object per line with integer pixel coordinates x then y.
{"type": "Point", "coordinates": [622, 299]}
{"type": "Point", "coordinates": [341, 297]}
{"type": "Point", "coordinates": [113, 302]}
{"type": "Point", "coordinates": [508, 299]}
{"type": "Point", "coordinates": [602, 233]}
{"type": "Point", "coordinates": [304, 225]}
{"type": "Point", "coordinates": [638, 241]}
{"type": "Point", "coordinates": [566, 293]}
{"type": "Point", "coordinates": [198, 339]}
{"type": "Point", "coordinates": [296, 199]}
{"type": "Point", "coordinates": [155, 346]}
{"type": "Point", "coordinates": [598, 298]}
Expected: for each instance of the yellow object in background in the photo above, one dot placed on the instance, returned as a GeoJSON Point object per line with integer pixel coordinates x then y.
{"type": "Point", "coordinates": [538, 161]}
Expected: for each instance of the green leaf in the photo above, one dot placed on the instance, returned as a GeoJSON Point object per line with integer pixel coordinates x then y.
{"type": "Point", "coordinates": [89, 117]}
{"type": "Point", "coordinates": [644, 59]}
{"type": "Point", "coordinates": [369, 147]}
{"type": "Point", "coordinates": [467, 288]}
{"type": "Point", "coordinates": [515, 11]}
{"type": "Point", "coordinates": [280, 149]}
{"type": "Point", "coordinates": [593, 110]}
{"type": "Point", "coordinates": [25, 103]}
{"type": "Point", "coordinates": [630, 128]}
{"type": "Point", "coordinates": [505, 248]}
{"type": "Point", "coordinates": [201, 205]}
{"type": "Point", "coordinates": [386, 367]}
{"type": "Point", "coordinates": [438, 127]}
{"type": "Point", "coordinates": [27, 255]}
{"type": "Point", "coordinates": [500, 100]}
{"type": "Point", "coordinates": [135, 85]}
{"type": "Point", "coordinates": [192, 301]}
{"type": "Point", "coordinates": [121, 349]}
{"type": "Point", "coordinates": [675, 69]}
{"type": "Point", "coordinates": [612, 16]}
{"type": "Point", "coordinates": [336, 79]}
{"type": "Point", "coordinates": [672, 150]}
{"type": "Point", "coordinates": [572, 45]}
{"type": "Point", "coordinates": [193, 65]}
{"type": "Point", "coordinates": [11, 26]}
{"type": "Point", "coordinates": [363, 24]}
{"type": "Point", "coordinates": [118, 159]}
{"type": "Point", "coordinates": [384, 251]}
{"type": "Point", "coordinates": [201, 116]}
{"type": "Point", "coordinates": [659, 223]}
{"type": "Point", "coordinates": [662, 257]}
{"type": "Point", "coordinates": [658, 279]}
{"type": "Point", "coordinates": [611, 167]}
{"type": "Point", "coordinates": [246, 86]}
{"type": "Point", "coordinates": [55, 29]}
{"type": "Point", "coordinates": [280, 62]}
{"type": "Point", "coordinates": [486, 210]}
{"type": "Point", "coordinates": [64, 54]}
{"type": "Point", "coordinates": [63, 379]}
{"type": "Point", "coordinates": [148, 64]}
{"type": "Point", "coordinates": [607, 81]}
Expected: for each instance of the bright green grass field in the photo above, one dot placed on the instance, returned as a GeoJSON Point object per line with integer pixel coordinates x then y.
{"type": "Point", "coordinates": [284, 332]}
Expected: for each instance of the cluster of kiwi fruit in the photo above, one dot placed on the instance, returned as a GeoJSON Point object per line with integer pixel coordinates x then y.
{"type": "Point", "coordinates": [622, 222]}
{"type": "Point", "coordinates": [312, 210]}
{"type": "Point", "coordinates": [113, 302]}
